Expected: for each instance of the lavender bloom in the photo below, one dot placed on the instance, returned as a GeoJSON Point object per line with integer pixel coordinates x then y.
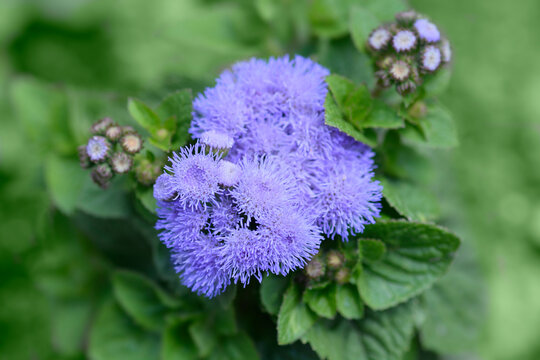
{"type": "Point", "coordinates": [284, 242]}
{"type": "Point", "coordinates": [293, 238]}
{"type": "Point", "coordinates": [97, 148]}
{"type": "Point", "coordinates": [431, 58]}
{"type": "Point", "coordinates": [198, 264]}
{"type": "Point", "coordinates": [263, 187]}
{"type": "Point", "coordinates": [195, 176]}
{"type": "Point", "coordinates": [427, 30]}
{"type": "Point", "coordinates": [180, 226]}
{"type": "Point", "coordinates": [225, 216]}
{"type": "Point", "coordinates": [287, 179]}
{"type": "Point", "coordinates": [404, 40]}
{"type": "Point", "coordinates": [229, 173]}
{"type": "Point", "coordinates": [164, 188]}
{"type": "Point", "coordinates": [347, 199]}
{"type": "Point", "coordinates": [216, 140]}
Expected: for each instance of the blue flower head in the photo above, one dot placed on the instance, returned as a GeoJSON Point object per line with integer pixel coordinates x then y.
{"type": "Point", "coordinates": [427, 30]}
{"type": "Point", "coordinates": [263, 187]}
{"type": "Point", "coordinates": [194, 176]}
{"type": "Point", "coordinates": [287, 179]}
{"type": "Point", "coordinates": [97, 148]}
{"type": "Point", "coordinates": [198, 263]}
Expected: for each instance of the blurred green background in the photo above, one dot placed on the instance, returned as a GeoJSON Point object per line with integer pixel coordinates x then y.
{"type": "Point", "coordinates": [66, 63]}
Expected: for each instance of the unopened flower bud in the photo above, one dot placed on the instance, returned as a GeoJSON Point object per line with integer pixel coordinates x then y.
{"type": "Point", "coordinates": [418, 110]}
{"type": "Point", "coordinates": [314, 269]}
{"type": "Point", "coordinates": [446, 51]}
{"type": "Point", "coordinates": [121, 162]}
{"type": "Point", "coordinates": [431, 58]}
{"type": "Point", "coordinates": [216, 140]}
{"type": "Point", "coordinates": [147, 172]}
{"type": "Point", "coordinates": [100, 126]}
{"type": "Point", "coordinates": [379, 38]}
{"type": "Point", "coordinates": [162, 134]}
{"type": "Point", "coordinates": [385, 62]}
{"type": "Point", "coordinates": [400, 70]}
{"type": "Point", "coordinates": [406, 87]}
{"type": "Point", "coordinates": [382, 75]}
{"type": "Point", "coordinates": [406, 18]}
{"type": "Point", "coordinates": [335, 259]}
{"type": "Point", "coordinates": [131, 143]}
{"type": "Point", "coordinates": [342, 276]}
{"type": "Point", "coordinates": [128, 130]}
{"type": "Point", "coordinates": [84, 160]}
{"type": "Point", "coordinates": [404, 40]}
{"type": "Point", "coordinates": [97, 148]}
{"type": "Point", "coordinates": [101, 175]}
{"type": "Point", "coordinates": [113, 133]}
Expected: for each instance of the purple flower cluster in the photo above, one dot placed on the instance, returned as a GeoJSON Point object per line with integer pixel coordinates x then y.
{"type": "Point", "coordinates": [284, 179]}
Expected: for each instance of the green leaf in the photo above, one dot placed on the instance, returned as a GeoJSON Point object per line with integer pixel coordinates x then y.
{"type": "Point", "coordinates": [204, 336]}
{"type": "Point", "coordinates": [236, 347]}
{"type": "Point", "coordinates": [322, 300]}
{"type": "Point", "coordinates": [383, 116]}
{"type": "Point", "coordinates": [65, 179]}
{"type": "Point", "coordinates": [437, 83]}
{"type": "Point", "coordinates": [361, 23]}
{"type": "Point", "coordinates": [371, 249]}
{"type": "Point", "coordinates": [147, 199]}
{"type": "Point", "coordinates": [385, 10]}
{"type": "Point", "coordinates": [178, 106]}
{"type": "Point", "coordinates": [341, 57]}
{"type": "Point", "coordinates": [410, 201]}
{"type": "Point", "coordinates": [144, 115]}
{"type": "Point", "coordinates": [455, 308]}
{"type": "Point", "coordinates": [380, 335]}
{"type": "Point", "coordinates": [418, 255]}
{"type": "Point", "coordinates": [112, 202]}
{"type": "Point", "coordinates": [438, 129]}
{"type": "Point", "coordinates": [334, 118]}
{"type": "Point", "coordinates": [328, 18]}
{"type": "Point", "coordinates": [70, 322]}
{"type": "Point", "coordinates": [142, 299]}
{"type": "Point", "coordinates": [349, 303]}
{"type": "Point", "coordinates": [225, 322]}
{"type": "Point", "coordinates": [295, 318]}
{"type": "Point", "coordinates": [340, 342]}
{"type": "Point", "coordinates": [354, 101]}
{"type": "Point", "coordinates": [115, 337]}
{"type": "Point", "coordinates": [176, 343]}
{"type": "Point", "coordinates": [272, 289]}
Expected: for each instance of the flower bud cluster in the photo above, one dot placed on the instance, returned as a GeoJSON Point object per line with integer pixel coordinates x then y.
{"type": "Point", "coordinates": [330, 266]}
{"type": "Point", "coordinates": [406, 50]}
{"type": "Point", "coordinates": [109, 151]}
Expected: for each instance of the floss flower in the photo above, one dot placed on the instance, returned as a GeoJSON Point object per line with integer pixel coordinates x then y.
{"type": "Point", "coordinates": [427, 30]}
{"type": "Point", "coordinates": [287, 180]}
{"type": "Point", "coordinates": [195, 176]}
{"type": "Point", "coordinates": [431, 58]}
{"type": "Point", "coordinates": [97, 148]}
